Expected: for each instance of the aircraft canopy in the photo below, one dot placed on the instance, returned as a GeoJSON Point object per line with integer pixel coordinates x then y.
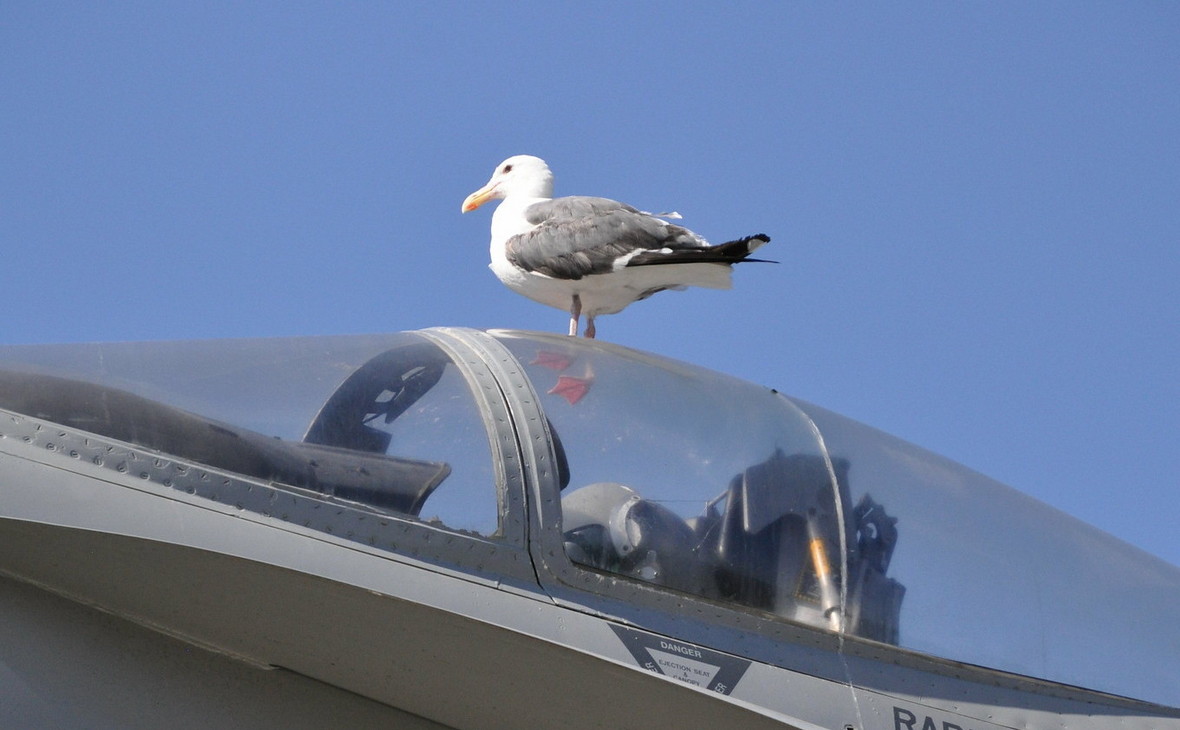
{"type": "Point", "coordinates": [656, 473]}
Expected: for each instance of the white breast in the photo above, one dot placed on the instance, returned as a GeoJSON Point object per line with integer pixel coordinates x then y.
{"type": "Point", "coordinates": [508, 221]}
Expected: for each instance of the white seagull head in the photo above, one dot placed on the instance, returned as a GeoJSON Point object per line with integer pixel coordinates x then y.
{"type": "Point", "coordinates": [523, 175]}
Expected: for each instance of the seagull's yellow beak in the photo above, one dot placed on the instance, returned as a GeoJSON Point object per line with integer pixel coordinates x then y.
{"type": "Point", "coordinates": [479, 197]}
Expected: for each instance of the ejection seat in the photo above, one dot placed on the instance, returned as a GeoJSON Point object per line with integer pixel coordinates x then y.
{"type": "Point", "coordinates": [776, 546]}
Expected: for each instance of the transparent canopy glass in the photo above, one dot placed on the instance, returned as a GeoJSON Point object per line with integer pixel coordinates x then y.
{"type": "Point", "coordinates": [708, 485]}
{"type": "Point", "coordinates": [702, 483]}
{"type": "Point", "coordinates": [996, 578]}
{"type": "Point", "coordinates": [380, 422]}
{"type": "Point", "coordinates": [674, 476]}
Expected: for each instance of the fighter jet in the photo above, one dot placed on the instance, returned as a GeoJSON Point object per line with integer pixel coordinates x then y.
{"type": "Point", "coordinates": [467, 529]}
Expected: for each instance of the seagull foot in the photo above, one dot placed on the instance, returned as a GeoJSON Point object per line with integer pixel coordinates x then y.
{"type": "Point", "coordinates": [572, 388]}
{"type": "Point", "coordinates": [553, 360]}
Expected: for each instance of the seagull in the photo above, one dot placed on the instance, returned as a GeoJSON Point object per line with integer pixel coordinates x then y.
{"type": "Point", "coordinates": [593, 256]}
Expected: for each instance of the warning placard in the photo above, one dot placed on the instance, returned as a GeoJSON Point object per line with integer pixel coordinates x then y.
{"type": "Point", "coordinates": [688, 663]}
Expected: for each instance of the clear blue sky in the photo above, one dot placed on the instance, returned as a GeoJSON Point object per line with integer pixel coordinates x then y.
{"type": "Point", "coordinates": [976, 205]}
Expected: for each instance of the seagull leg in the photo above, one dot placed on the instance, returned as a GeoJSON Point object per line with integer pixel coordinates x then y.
{"type": "Point", "coordinates": [575, 314]}
{"type": "Point", "coordinates": [590, 331]}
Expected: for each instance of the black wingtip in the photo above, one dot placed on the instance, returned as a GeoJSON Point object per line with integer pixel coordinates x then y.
{"type": "Point", "coordinates": [728, 253]}
{"type": "Point", "coordinates": [763, 240]}
{"type": "Point", "coordinates": [743, 247]}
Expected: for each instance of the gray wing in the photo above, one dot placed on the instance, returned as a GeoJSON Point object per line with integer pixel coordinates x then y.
{"type": "Point", "coordinates": [578, 236]}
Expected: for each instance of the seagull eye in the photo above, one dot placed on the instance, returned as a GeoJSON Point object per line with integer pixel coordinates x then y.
{"type": "Point", "coordinates": [507, 168]}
